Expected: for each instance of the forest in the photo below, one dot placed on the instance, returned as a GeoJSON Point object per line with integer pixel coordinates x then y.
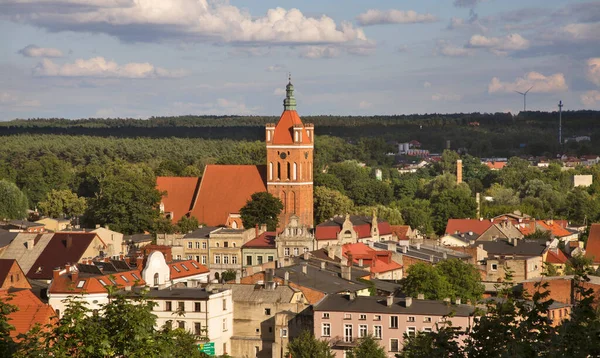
{"type": "Point", "coordinates": [104, 170]}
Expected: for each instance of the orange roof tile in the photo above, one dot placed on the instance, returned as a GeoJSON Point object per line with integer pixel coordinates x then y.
{"type": "Point", "coordinates": [285, 129]}
{"type": "Point", "coordinates": [31, 311]}
{"type": "Point", "coordinates": [179, 194]}
{"type": "Point", "coordinates": [78, 283]}
{"type": "Point", "coordinates": [225, 189]}
{"type": "Point", "coordinates": [400, 231]}
{"type": "Point", "coordinates": [264, 240]}
{"type": "Point", "coordinates": [554, 227]}
{"type": "Point", "coordinates": [466, 225]}
{"type": "Point", "coordinates": [495, 165]}
{"type": "Point", "coordinates": [380, 266]}
{"type": "Point", "coordinates": [556, 256]}
{"type": "Point", "coordinates": [186, 268]}
{"type": "Point", "coordinates": [592, 249]}
{"type": "Point", "coordinates": [357, 250]}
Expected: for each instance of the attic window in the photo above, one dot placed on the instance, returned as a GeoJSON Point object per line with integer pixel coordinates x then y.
{"type": "Point", "coordinates": [39, 269]}
{"type": "Point", "coordinates": [102, 282]}
{"type": "Point", "coordinates": [124, 278]}
{"type": "Point", "coordinates": [194, 264]}
{"type": "Point", "coordinates": [80, 284]}
{"type": "Point", "coordinates": [176, 268]}
{"type": "Point", "coordinates": [112, 280]}
{"type": "Point", "coordinates": [135, 276]}
{"type": "Point", "coordinates": [185, 267]}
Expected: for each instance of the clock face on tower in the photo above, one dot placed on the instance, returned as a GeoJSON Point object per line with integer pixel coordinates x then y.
{"type": "Point", "coordinates": [283, 155]}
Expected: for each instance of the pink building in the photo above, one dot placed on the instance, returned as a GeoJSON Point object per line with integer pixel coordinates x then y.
{"type": "Point", "coordinates": [342, 319]}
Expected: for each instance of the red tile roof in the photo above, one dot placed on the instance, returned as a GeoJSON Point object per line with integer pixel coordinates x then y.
{"type": "Point", "coordinates": [31, 311]}
{"type": "Point", "coordinates": [400, 231]}
{"type": "Point", "coordinates": [556, 229]}
{"type": "Point", "coordinates": [592, 249]}
{"type": "Point", "coordinates": [72, 283]}
{"type": "Point", "coordinates": [495, 165]}
{"type": "Point", "coordinates": [556, 256]}
{"type": "Point", "coordinates": [378, 261]}
{"type": "Point", "coordinates": [180, 192]}
{"type": "Point", "coordinates": [58, 253]}
{"type": "Point", "coordinates": [225, 190]}
{"type": "Point", "coordinates": [186, 268]}
{"type": "Point", "coordinates": [361, 224]}
{"type": "Point", "coordinates": [264, 240]}
{"type": "Point", "coordinates": [285, 129]}
{"type": "Point", "coordinates": [466, 225]}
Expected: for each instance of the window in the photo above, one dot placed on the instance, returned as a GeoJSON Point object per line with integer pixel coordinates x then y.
{"type": "Point", "coordinates": [347, 316]}
{"type": "Point", "coordinates": [181, 306]}
{"type": "Point", "coordinates": [286, 251]}
{"type": "Point", "coordinates": [195, 264]}
{"type": "Point", "coordinates": [197, 244]}
{"type": "Point", "coordinates": [203, 259]}
{"type": "Point", "coordinates": [204, 245]}
{"type": "Point", "coordinates": [124, 278]}
{"type": "Point", "coordinates": [427, 329]}
{"type": "Point", "coordinates": [169, 324]}
{"type": "Point", "coordinates": [494, 267]}
{"type": "Point", "coordinates": [410, 319]}
{"type": "Point", "coordinates": [189, 244]}
{"type": "Point", "coordinates": [176, 268]}
{"type": "Point", "coordinates": [362, 317]}
{"type": "Point", "coordinates": [305, 250]}
{"type": "Point", "coordinates": [168, 307]}
{"type": "Point", "coordinates": [362, 330]}
{"type": "Point", "coordinates": [325, 315]}
{"type": "Point", "coordinates": [268, 311]}
{"type": "Point", "coordinates": [226, 244]}
{"type": "Point", "coordinates": [111, 279]}
{"type": "Point", "coordinates": [185, 267]}
{"type": "Point", "coordinates": [347, 333]}
{"type": "Point", "coordinates": [217, 259]}
{"type": "Point", "coordinates": [296, 251]}
{"type": "Point", "coordinates": [259, 260]}
{"type": "Point", "coordinates": [248, 260]}
{"type": "Point", "coordinates": [217, 244]}
{"type": "Point", "coordinates": [411, 331]}
{"type": "Point", "coordinates": [224, 324]}
{"type": "Point", "coordinates": [197, 307]}
{"type": "Point", "coordinates": [189, 257]}
{"type": "Point", "coordinates": [104, 283]}
{"type": "Point", "coordinates": [233, 243]}
{"type": "Point", "coordinates": [377, 318]}
{"type": "Point", "coordinates": [270, 258]}
{"type": "Point", "coordinates": [197, 328]}
{"type": "Point", "coordinates": [58, 313]}
{"type": "Point", "coordinates": [427, 319]}
{"type": "Point", "coordinates": [234, 259]}
{"type": "Point", "coordinates": [135, 276]}
{"type": "Point", "coordinates": [80, 284]}
{"type": "Point", "coordinates": [224, 304]}
{"type": "Point", "coordinates": [284, 332]}
{"type": "Point", "coordinates": [394, 321]}
{"type": "Point", "coordinates": [394, 345]}
{"type": "Point", "coordinates": [377, 332]}
{"type": "Point", "coordinates": [326, 330]}
{"type": "Point", "coordinates": [181, 324]}
{"type": "Point", "coordinates": [226, 259]}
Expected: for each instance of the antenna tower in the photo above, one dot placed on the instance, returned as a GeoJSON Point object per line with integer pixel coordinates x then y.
{"type": "Point", "coordinates": [560, 106]}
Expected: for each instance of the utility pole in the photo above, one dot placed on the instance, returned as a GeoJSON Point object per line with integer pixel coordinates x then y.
{"type": "Point", "coordinates": [560, 106]}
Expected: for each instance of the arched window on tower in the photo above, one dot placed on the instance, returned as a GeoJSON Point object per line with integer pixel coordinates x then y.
{"type": "Point", "coordinates": [271, 171]}
{"type": "Point", "coordinates": [278, 171]}
{"type": "Point", "coordinates": [292, 202]}
{"type": "Point", "coordinates": [283, 201]}
{"type": "Point", "coordinates": [289, 176]}
{"type": "Point", "coordinates": [156, 280]}
{"type": "Point", "coordinates": [295, 172]}
{"type": "Point", "coordinates": [300, 171]}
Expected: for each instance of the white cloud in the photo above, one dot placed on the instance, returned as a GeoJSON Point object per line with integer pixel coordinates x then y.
{"type": "Point", "coordinates": [193, 20]}
{"type": "Point", "coordinates": [14, 102]}
{"type": "Point", "coordinates": [593, 70]}
{"type": "Point", "coordinates": [314, 52]}
{"type": "Point", "coordinates": [540, 83]}
{"type": "Point", "coordinates": [275, 68]}
{"type": "Point", "coordinates": [365, 105]}
{"type": "Point", "coordinates": [279, 92]}
{"type": "Point", "coordinates": [379, 17]}
{"type": "Point", "coordinates": [100, 67]}
{"type": "Point", "coordinates": [426, 84]}
{"type": "Point", "coordinates": [445, 48]}
{"type": "Point", "coordinates": [499, 45]}
{"type": "Point", "coordinates": [466, 3]}
{"type": "Point", "coordinates": [446, 97]}
{"type": "Point", "coordinates": [591, 98]}
{"type": "Point", "coordinates": [582, 31]}
{"type": "Point", "coordinates": [35, 51]}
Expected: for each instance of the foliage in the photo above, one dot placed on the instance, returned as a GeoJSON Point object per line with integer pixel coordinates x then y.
{"type": "Point", "coordinates": [307, 346]}
{"type": "Point", "coordinates": [329, 202]}
{"type": "Point", "coordinates": [187, 224]}
{"type": "Point", "coordinates": [390, 214]}
{"type": "Point", "coordinates": [424, 279]}
{"type": "Point", "coordinates": [443, 343]}
{"type": "Point", "coordinates": [262, 208]}
{"type": "Point", "coordinates": [545, 235]}
{"type": "Point", "coordinates": [13, 203]}
{"type": "Point", "coordinates": [62, 203]}
{"type": "Point", "coordinates": [228, 275]}
{"type": "Point", "coordinates": [367, 347]}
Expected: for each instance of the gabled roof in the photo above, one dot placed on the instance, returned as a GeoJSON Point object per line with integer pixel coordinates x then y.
{"type": "Point", "coordinates": [225, 189]}
{"type": "Point", "coordinates": [400, 231]}
{"type": "Point", "coordinates": [527, 248]}
{"type": "Point", "coordinates": [31, 311]}
{"type": "Point", "coordinates": [264, 240]}
{"type": "Point", "coordinates": [20, 249]}
{"type": "Point", "coordinates": [556, 256]}
{"type": "Point", "coordinates": [556, 229]}
{"type": "Point", "coordinates": [361, 224]}
{"type": "Point", "coordinates": [495, 165]}
{"type": "Point", "coordinates": [59, 252]}
{"type": "Point", "coordinates": [466, 225]}
{"type": "Point", "coordinates": [284, 129]}
{"type": "Point", "coordinates": [87, 283]}
{"type": "Point", "coordinates": [180, 192]}
{"type": "Point", "coordinates": [5, 267]}
{"type": "Point", "coordinates": [592, 249]}
{"type": "Point", "coordinates": [180, 269]}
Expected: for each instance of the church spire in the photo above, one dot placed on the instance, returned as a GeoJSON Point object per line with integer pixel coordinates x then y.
{"type": "Point", "coordinates": [289, 103]}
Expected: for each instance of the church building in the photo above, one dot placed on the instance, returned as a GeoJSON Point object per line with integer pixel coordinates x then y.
{"type": "Point", "coordinates": [217, 197]}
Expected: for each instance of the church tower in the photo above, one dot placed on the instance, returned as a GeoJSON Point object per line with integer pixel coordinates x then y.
{"type": "Point", "coordinates": [290, 146]}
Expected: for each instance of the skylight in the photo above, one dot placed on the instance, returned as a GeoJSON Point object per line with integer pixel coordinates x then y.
{"type": "Point", "coordinates": [80, 284]}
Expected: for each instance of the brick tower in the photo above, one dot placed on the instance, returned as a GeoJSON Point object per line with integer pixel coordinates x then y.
{"type": "Point", "coordinates": [290, 147]}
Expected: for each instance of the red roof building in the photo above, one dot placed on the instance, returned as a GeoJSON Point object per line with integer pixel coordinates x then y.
{"type": "Point", "coordinates": [31, 311]}
{"type": "Point", "coordinates": [11, 275]}
{"type": "Point", "coordinates": [556, 257]}
{"type": "Point", "coordinates": [460, 226]}
{"type": "Point", "coordinates": [400, 232]}
{"type": "Point", "coordinates": [379, 263]}
{"type": "Point", "coordinates": [361, 225]}
{"type": "Point", "coordinates": [181, 269]}
{"type": "Point", "coordinates": [179, 194]}
{"type": "Point", "coordinates": [264, 240]}
{"type": "Point", "coordinates": [592, 249]}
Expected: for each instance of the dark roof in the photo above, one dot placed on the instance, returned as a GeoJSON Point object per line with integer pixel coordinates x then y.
{"type": "Point", "coordinates": [386, 286]}
{"type": "Point", "coordinates": [523, 247]}
{"type": "Point", "coordinates": [201, 233]}
{"type": "Point", "coordinates": [321, 280]}
{"type": "Point", "coordinates": [57, 253]}
{"type": "Point", "coordinates": [7, 237]}
{"type": "Point", "coordinates": [180, 293]}
{"type": "Point", "coordinates": [374, 304]}
{"type": "Point", "coordinates": [5, 265]}
{"type": "Point", "coordinates": [466, 237]}
{"type": "Point", "coordinates": [24, 223]}
{"type": "Point", "coordinates": [425, 252]}
{"type": "Point", "coordinates": [138, 238]}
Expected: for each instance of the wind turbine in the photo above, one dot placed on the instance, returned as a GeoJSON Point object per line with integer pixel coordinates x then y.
{"type": "Point", "coordinates": [524, 94]}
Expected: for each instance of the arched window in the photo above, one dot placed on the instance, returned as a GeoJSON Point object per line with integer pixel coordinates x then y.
{"type": "Point", "coordinates": [295, 171]}
{"type": "Point", "coordinates": [156, 279]}
{"type": "Point", "coordinates": [348, 234]}
{"type": "Point", "coordinates": [300, 171]}
{"type": "Point", "coordinates": [289, 176]}
{"type": "Point", "coordinates": [292, 202]}
{"type": "Point", "coordinates": [271, 171]}
{"type": "Point", "coordinates": [283, 201]}
{"type": "Point", "coordinates": [234, 225]}
{"type": "Point", "coordinates": [278, 171]}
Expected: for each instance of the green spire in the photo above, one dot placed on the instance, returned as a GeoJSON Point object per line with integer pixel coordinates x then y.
{"type": "Point", "coordinates": [289, 103]}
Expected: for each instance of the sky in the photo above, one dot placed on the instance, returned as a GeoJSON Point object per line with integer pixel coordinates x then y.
{"type": "Point", "coordinates": [143, 58]}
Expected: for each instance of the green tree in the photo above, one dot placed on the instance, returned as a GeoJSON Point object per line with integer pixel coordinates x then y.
{"type": "Point", "coordinates": [13, 203]}
{"type": "Point", "coordinates": [464, 279]}
{"type": "Point", "coordinates": [390, 214]}
{"type": "Point", "coordinates": [424, 279]}
{"type": "Point", "coordinates": [262, 208]}
{"type": "Point", "coordinates": [307, 346]}
{"type": "Point", "coordinates": [38, 176]}
{"type": "Point", "coordinates": [367, 347]}
{"type": "Point", "coordinates": [228, 275]}
{"type": "Point", "coordinates": [503, 196]}
{"type": "Point", "coordinates": [62, 203]}
{"type": "Point", "coordinates": [442, 343]}
{"type": "Point", "coordinates": [452, 203]}
{"type": "Point", "coordinates": [330, 202]}
{"type": "Point", "coordinates": [187, 224]}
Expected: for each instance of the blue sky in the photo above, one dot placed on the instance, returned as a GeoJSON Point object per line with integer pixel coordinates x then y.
{"type": "Point", "coordinates": [139, 58]}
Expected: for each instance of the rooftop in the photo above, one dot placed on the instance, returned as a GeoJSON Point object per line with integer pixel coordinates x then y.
{"type": "Point", "coordinates": [264, 240]}
{"type": "Point", "coordinates": [181, 293]}
{"type": "Point", "coordinates": [320, 280]}
{"type": "Point", "coordinates": [522, 248]}
{"type": "Point", "coordinates": [201, 233]}
{"type": "Point", "coordinates": [257, 293]}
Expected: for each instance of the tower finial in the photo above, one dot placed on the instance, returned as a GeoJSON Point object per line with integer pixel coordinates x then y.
{"type": "Point", "coordinates": [289, 103]}
{"type": "Point", "coordinates": [289, 77]}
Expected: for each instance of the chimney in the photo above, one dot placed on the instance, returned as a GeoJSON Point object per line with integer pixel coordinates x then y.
{"type": "Point", "coordinates": [74, 276]}
{"type": "Point", "coordinates": [445, 255]}
{"type": "Point", "coordinates": [351, 296]}
{"type": "Point", "coordinates": [420, 296]}
{"type": "Point", "coordinates": [404, 249]}
{"type": "Point", "coordinates": [68, 267]}
{"type": "Point", "coordinates": [408, 301]}
{"type": "Point", "coordinates": [30, 244]}
{"type": "Point", "coordinates": [360, 262]}
{"type": "Point", "coordinates": [256, 232]}
{"type": "Point", "coordinates": [305, 269]}
{"type": "Point", "coordinates": [69, 241]}
{"type": "Point", "coordinates": [306, 256]}
{"type": "Point", "coordinates": [323, 265]}
{"type": "Point", "coordinates": [459, 173]}
{"type": "Point", "coordinates": [350, 262]}
{"type": "Point", "coordinates": [390, 300]}
{"type": "Point", "coordinates": [238, 279]}
{"type": "Point", "coordinates": [458, 301]}
{"type": "Point", "coordinates": [514, 241]}
{"type": "Point", "coordinates": [56, 274]}
{"type": "Point", "coordinates": [346, 272]}
{"type": "Point", "coordinates": [139, 262]}
{"type": "Point", "coordinates": [286, 278]}
{"type": "Point", "coordinates": [330, 253]}
{"type": "Point", "coordinates": [263, 227]}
